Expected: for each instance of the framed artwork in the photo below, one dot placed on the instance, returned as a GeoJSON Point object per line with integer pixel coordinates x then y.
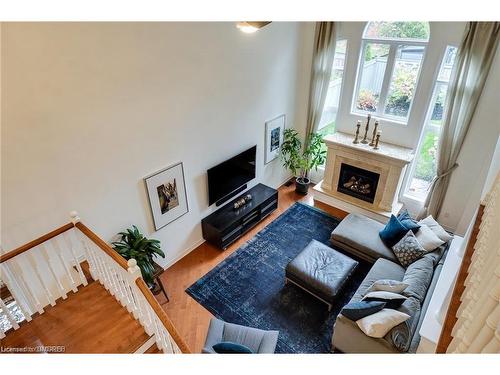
{"type": "Point", "coordinates": [167, 195]}
{"type": "Point", "coordinates": [274, 138]}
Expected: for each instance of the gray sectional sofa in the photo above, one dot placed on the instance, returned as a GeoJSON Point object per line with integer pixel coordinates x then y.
{"type": "Point", "coordinates": [358, 235]}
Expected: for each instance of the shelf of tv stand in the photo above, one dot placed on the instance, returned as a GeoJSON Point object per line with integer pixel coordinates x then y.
{"type": "Point", "coordinates": [226, 225]}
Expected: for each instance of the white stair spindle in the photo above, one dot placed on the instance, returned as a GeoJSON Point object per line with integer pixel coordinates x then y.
{"type": "Point", "coordinates": [94, 268]}
{"type": "Point", "coordinates": [48, 293]}
{"type": "Point", "coordinates": [48, 260]}
{"type": "Point", "coordinates": [19, 278]}
{"type": "Point", "coordinates": [69, 244]}
{"type": "Point", "coordinates": [109, 272]}
{"type": "Point", "coordinates": [126, 291]}
{"type": "Point", "coordinates": [67, 268]}
{"type": "Point", "coordinates": [119, 282]}
{"type": "Point", "coordinates": [143, 306]}
{"type": "Point", "coordinates": [95, 271]}
{"type": "Point", "coordinates": [98, 265]}
{"type": "Point", "coordinates": [22, 303]}
{"type": "Point", "coordinates": [7, 313]}
{"type": "Point", "coordinates": [107, 275]}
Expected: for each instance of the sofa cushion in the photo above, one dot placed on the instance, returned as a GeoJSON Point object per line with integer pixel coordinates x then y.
{"type": "Point", "coordinates": [402, 335]}
{"type": "Point", "coordinates": [358, 310]}
{"type": "Point", "coordinates": [347, 336]}
{"type": "Point", "coordinates": [437, 255]}
{"type": "Point", "coordinates": [418, 276]}
{"type": "Point", "coordinates": [393, 232]}
{"type": "Point", "coordinates": [381, 269]}
{"type": "Point", "coordinates": [359, 235]}
{"type": "Point", "coordinates": [408, 222]}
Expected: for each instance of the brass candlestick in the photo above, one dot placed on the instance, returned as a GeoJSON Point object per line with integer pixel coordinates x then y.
{"type": "Point", "coordinates": [377, 138]}
{"type": "Point", "coordinates": [356, 138]}
{"type": "Point", "coordinates": [364, 140]}
{"type": "Point", "coordinates": [372, 143]}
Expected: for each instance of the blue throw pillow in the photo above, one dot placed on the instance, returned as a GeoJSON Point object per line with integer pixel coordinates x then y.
{"type": "Point", "coordinates": [358, 310]}
{"type": "Point", "coordinates": [393, 232]}
{"type": "Point", "coordinates": [408, 222]}
{"type": "Point", "coordinates": [228, 347]}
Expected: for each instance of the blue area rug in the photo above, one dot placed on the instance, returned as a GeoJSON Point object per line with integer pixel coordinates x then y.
{"type": "Point", "coordinates": [248, 287]}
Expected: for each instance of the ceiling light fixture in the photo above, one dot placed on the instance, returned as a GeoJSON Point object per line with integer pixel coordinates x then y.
{"type": "Point", "coordinates": [251, 27]}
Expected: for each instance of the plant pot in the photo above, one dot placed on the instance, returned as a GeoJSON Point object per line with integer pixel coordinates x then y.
{"type": "Point", "coordinates": [302, 185]}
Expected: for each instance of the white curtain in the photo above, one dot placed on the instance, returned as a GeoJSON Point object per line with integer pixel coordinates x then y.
{"type": "Point", "coordinates": [477, 329]}
{"type": "Point", "coordinates": [321, 70]}
{"type": "Point", "coordinates": [474, 59]}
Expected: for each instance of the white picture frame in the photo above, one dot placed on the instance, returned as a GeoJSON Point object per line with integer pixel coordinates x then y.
{"type": "Point", "coordinates": [166, 191]}
{"type": "Point", "coordinates": [274, 138]}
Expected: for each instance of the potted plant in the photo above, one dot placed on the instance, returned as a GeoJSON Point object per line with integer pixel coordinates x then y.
{"type": "Point", "coordinates": [133, 244]}
{"type": "Point", "coordinates": [300, 161]}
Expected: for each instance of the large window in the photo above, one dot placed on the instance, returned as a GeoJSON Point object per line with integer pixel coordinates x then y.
{"type": "Point", "coordinates": [424, 168]}
{"type": "Point", "coordinates": [392, 53]}
{"type": "Point", "coordinates": [332, 101]}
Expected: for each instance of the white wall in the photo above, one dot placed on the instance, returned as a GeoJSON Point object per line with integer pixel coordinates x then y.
{"type": "Point", "coordinates": [89, 109]}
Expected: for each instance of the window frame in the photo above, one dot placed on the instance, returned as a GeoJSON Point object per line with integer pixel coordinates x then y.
{"type": "Point", "coordinates": [388, 73]}
{"type": "Point", "coordinates": [412, 199]}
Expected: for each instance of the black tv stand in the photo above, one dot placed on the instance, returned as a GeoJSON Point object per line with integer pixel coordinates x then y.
{"type": "Point", "coordinates": [227, 224]}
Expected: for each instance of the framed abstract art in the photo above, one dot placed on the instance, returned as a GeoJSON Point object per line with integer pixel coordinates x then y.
{"type": "Point", "coordinates": [274, 138]}
{"type": "Point", "coordinates": [167, 195]}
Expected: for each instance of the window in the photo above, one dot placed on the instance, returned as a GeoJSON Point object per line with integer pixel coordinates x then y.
{"type": "Point", "coordinates": [424, 168]}
{"type": "Point", "coordinates": [327, 123]}
{"type": "Point", "coordinates": [392, 53]}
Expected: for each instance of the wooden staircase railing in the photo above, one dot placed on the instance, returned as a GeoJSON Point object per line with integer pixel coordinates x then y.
{"type": "Point", "coordinates": [38, 278]}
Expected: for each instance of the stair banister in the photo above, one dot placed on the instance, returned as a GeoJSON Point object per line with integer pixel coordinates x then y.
{"type": "Point", "coordinates": [122, 279]}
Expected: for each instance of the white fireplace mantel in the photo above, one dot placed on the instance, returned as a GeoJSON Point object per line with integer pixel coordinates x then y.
{"type": "Point", "coordinates": [389, 161]}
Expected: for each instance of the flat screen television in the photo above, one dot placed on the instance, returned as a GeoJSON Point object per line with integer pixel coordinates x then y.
{"type": "Point", "coordinates": [228, 177]}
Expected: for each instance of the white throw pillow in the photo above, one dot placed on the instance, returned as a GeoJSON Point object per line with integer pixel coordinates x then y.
{"type": "Point", "coordinates": [387, 286]}
{"type": "Point", "coordinates": [377, 325]}
{"type": "Point", "coordinates": [428, 239]}
{"type": "Point", "coordinates": [436, 228]}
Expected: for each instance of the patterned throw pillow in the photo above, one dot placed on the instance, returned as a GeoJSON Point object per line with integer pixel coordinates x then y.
{"type": "Point", "coordinates": [408, 249]}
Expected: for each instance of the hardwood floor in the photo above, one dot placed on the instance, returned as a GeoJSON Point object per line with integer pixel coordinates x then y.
{"type": "Point", "coordinates": [89, 321]}
{"type": "Point", "coordinates": [189, 317]}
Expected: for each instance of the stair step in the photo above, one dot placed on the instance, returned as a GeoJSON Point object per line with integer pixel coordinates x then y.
{"type": "Point", "coordinates": [89, 321]}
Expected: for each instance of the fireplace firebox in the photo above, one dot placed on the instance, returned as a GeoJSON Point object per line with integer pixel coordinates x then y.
{"type": "Point", "coordinates": [357, 182]}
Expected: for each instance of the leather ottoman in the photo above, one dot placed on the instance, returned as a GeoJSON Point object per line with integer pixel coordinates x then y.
{"type": "Point", "coordinates": [321, 271]}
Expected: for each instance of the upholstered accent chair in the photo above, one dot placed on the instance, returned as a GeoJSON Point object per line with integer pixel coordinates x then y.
{"type": "Point", "coordinates": [257, 340]}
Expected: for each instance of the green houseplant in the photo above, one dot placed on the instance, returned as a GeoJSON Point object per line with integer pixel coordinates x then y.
{"type": "Point", "coordinates": [133, 244]}
{"type": "Point", "coordinates": [300, 160]}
